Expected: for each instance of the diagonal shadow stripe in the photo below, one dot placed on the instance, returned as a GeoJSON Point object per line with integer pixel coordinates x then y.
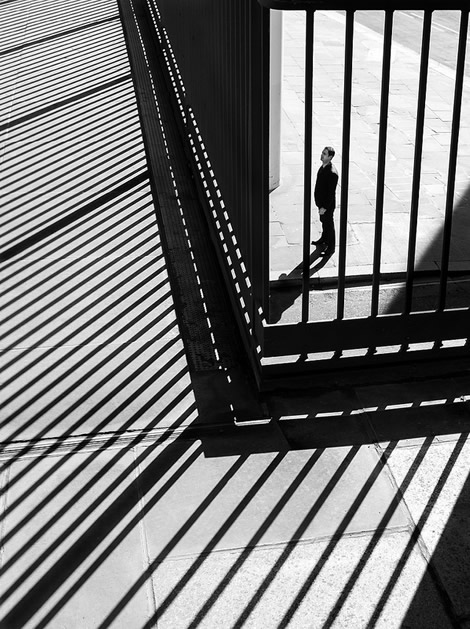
{"type": "Point", "coordinates": [184, 394]}
{"type": "Point", "coordinates": [73, 79]}
{"type": "Point", "coordinates": [89, 374]}
{"type": "Point", "coordinates": [146, 482]}
{"type": "Point", "coordinates": [70, 429]}
{"type": "Point", "coordinates": [97, 532]}
{"type": "Point", "coordinates": [106, 181]}
{"type": "Point", "coordinates": [70, 218]}
{"type": "Point", "coordinates": [71, 31]}
{"type": "Point", "coordinates": [79, 45]}
{"type": "Point", "coordinates": [110, 222]}
{"type": "Point", "coordinates": [65, 121]}
{"type": "Point", "coordinates": [102, 158]}
{"type": "Point", "coordinates": [57, 514]}
{"type": "Point", "coordinates": [100, 315]}
{"type": "Point", "coordinates": [414, 540]}
{"type": "Point", "coordinates": [49, 223]}
{"type": "Point", "coordinates": [37, 168]}
{"type": "Point", "coordinates": [381, 527]}
{"type": "Point", "coordinates": [65, 102]}
{"type": "Point", "coordinates": [361, 494]}
{"type": "Point", "coordinates": [48, 268]}
{"type": "Point", "coordinates": [252, 544]}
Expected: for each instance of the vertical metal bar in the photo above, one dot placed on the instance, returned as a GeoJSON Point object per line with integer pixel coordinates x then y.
{"type": "Point", "coordinates": [243, 104]}
{"type": "Point", "coordinates": [236, 116]}
{"type": "Point", "coordinates": [343, 227]}
{"type": "Point", "coordinates": [249, 124]}
{"type": "Point", "coordinates": [227, 70]}
{"type": "Point", "coordinates": [454, 141]}
{"type": "Point", "coordinates": [259, 106]}
{"type": "Point", "coordinates": [387, 48]}
{"type": "Point", "coordinates": [265, 181]}
{"type": "Point", "coordinates": [307, 163]}
{"type": "Point", "coordinates": [423, 77]}
{"type": "Point", "coordinates": [256, 149]}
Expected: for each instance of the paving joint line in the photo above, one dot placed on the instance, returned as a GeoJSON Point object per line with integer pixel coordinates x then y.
{"type": "Point", "coordinates": [129, 439]}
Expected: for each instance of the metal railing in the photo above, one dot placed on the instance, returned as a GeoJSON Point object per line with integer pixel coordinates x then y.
{"type": "Point", "coordinates": [218, 62]}
{"type": "Point", "coordinates": [365, 334]}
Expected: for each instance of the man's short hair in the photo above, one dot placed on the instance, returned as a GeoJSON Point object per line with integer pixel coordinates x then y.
{"type": "Point", "coordinates": [331, 151]}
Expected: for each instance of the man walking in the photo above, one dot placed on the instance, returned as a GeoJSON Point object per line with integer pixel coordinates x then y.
{"type": "Point", "coordinates": [325, 200]}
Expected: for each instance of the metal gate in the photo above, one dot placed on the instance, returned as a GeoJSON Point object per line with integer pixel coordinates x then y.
{"type": "Point", "coordinates": [217, 54]}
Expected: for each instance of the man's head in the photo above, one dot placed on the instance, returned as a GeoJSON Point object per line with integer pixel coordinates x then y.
{"type": "Point", "coordinates": [327, 155]}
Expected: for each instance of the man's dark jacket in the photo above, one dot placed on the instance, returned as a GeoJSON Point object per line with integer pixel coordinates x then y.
{"type": "Point", "coordinates": [325, 187]}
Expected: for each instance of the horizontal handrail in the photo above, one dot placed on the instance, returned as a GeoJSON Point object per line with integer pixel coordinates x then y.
{"type": "Point", "coordinates": [358, 5]}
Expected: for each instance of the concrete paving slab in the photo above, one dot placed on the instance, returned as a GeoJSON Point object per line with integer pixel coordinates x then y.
{"type": "Point", "coordinates": [293, 233]}
{"type": "Point", "coordinates": [275, 230]}
{"type": "Point", "coordinates": [292, 200]}
{"type": "Point", "coordinates": [102, 232]}
{"type": "Point", "coordinates": [270, 498]}
{"type": "Point", "coordinates": [92, 340]}
{"type": "Point", "coordinates": [322, 584]}
{"type": "Point", "coordinates": [67, 391]}
{"type": "Point", "coordinates": [95, 304]}
{"type": "Point", "coordinates": [83, 548]}
{"type": "Point", "coordinates": [438, 500]}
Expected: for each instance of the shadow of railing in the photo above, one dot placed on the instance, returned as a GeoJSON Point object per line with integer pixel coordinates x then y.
{"type": "Point", "coordinates": [163, 466]}
{"type": "Point", "coordinates": [94, 365]}
{"type": "Point", "coordinates": [92, 358]}
{"type": "Point", "coordinates": [446, 563]}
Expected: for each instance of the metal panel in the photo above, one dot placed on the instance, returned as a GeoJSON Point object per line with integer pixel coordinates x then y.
{"type": "Point", "coordinates": [348, 59]}
{"type": "Point", "coordinates": [307, 165]}
{"type": "Point", "coordinates": [379, 210]}
{"type": "Point", "coordinates": [217, 57]}
{"type": "Point", "coordinates": [423, 75]}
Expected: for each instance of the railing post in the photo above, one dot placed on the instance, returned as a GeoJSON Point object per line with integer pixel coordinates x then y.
{"type": "Point", "coordinates": [275, 94]}
{"type": "Point", "coordinates": [343, 227]}
{"type": "Point", "coordinates": [423, 76]}
{"type": "Point", "coordinates": [307, 164]}
{"type": "Point", "coordinates": [386, 63]}
{"type": "Point", "coordinates": [259, 237]}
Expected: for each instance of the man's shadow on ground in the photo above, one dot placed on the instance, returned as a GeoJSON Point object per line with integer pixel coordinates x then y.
{"type": "Point", "coordinates": [288, 288]}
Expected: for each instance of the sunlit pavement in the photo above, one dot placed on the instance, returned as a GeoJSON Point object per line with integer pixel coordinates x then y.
{"type": "Point", "coordinates": [287, 200]}
{"type": "Point", "coordinates": [128, 498]}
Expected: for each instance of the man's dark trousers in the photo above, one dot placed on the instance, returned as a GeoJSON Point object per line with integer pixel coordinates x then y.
{"type": "Point", "coordinates": [328, 230]}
